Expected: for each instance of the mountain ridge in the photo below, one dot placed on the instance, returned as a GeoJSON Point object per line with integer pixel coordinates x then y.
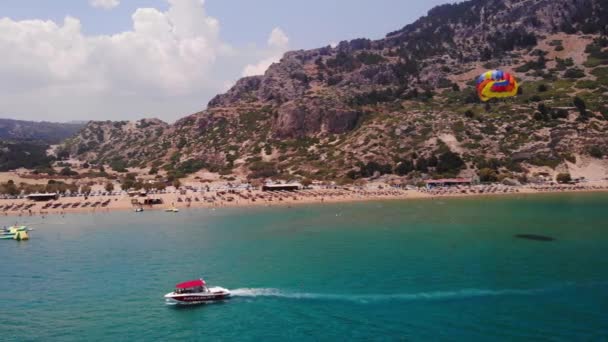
{"type": "Point", "coordinates": [403, 104]}
{"type": "Point", "coordinates": [25, 143]}
{"type": "Point", "coordinates": [44, 131]}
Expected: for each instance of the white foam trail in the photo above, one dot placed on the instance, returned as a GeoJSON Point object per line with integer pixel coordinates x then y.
{"type": "Point", "coordinates": [363, 298]}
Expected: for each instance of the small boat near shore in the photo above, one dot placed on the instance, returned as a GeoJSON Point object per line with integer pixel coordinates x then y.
{"type": "Point", "coordinates": [18, 233]}
{"type": "Point", "coordinates": [196, 292]}
{"type": "Point", "coordinates": [172, 210]}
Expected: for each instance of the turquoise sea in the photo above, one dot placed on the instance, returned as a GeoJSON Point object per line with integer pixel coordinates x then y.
{"type": "Point", "coordinates": [398, 270]}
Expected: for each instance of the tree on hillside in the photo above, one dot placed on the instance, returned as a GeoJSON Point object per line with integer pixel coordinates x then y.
{"type": "Point", "coordinates": [450, 162]}
{"type": "Point", "coordinates": [596, 152]}
{"type": "Point", "coordinates": [369, 169]}
{"type": "Point", "coordinates": [127, 184]}
{"type": "Point", "coordinates": [404, 167]}
{"type": "Point", "coordinates": [109, 187]}
{"type": "Point", "coordinates": [119, 165]}
{"type": "Point", "coordinates": [68, 172]}
{"type": "Point", "coordinates": [487, 175]}
{"type": "Point", "coordinates": [582, 108]}
{"type": "Point", "coordinates": [306, 182]}
{"type": "Point", "coordinates": [564, 178]}
{"type": "Point", "coordinates": [9, 188]}
{"type": "Point", "coordinates": [63, 155]}
{"type": "Point", "coordinates": [422, 165]}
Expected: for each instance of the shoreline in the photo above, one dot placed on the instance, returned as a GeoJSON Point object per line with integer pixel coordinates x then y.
{"type": "Point", "coordinates": [255, 199]}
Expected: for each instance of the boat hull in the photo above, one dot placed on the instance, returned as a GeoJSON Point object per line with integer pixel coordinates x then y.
{"type": "Point", "coordinates": [197, 298]}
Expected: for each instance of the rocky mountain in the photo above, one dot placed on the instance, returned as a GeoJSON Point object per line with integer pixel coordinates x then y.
{"type": "Point", "coordinates": [119, 140]}
{"type": "Point", "coordinates": [25, 143]}
{"type": "Point", "coordinates": [404, 104]}
{"type": "Point", "coordinates": [45, 132]}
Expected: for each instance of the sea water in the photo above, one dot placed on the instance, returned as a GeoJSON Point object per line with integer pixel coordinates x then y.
{"type": "Point", "coordinates": [443, 269]}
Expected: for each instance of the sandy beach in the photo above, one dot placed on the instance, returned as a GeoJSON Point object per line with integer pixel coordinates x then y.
{"type": "Point", "coordinates": [247, 198]}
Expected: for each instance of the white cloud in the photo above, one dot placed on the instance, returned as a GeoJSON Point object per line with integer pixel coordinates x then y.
{"type": "Point", "coordinates": [105, 4]}
{"type": "Point", "coordinates": [278, 38]}
{"type": "Point", "coordinates": [278, 42]}
{"type": "Point", "coordinates": [260, 67]}
{"type": "Point", "coordinates": [169, 64]}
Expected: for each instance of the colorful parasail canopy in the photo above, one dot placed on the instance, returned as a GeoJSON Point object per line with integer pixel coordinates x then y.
{"type": "Point", "coordinates": [496, 84]}
{"type": "Point", "coordinates": [191, 284]}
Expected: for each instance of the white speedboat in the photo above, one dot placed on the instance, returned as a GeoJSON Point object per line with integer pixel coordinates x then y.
{"type": "Point", "coordinates": [196, 292]}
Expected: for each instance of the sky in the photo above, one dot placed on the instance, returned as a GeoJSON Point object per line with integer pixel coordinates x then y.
{"type": "Point", "coordinates": [67, 60]}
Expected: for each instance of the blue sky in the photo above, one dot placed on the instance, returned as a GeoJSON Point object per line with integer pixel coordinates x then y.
{"type": "Point", "coordinates": [313, 23]}
{"type": "Point", "coordinates": [243, 40]}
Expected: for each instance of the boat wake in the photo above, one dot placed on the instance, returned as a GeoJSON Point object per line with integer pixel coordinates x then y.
{"type": "Point", "coordinates": [370, 298]}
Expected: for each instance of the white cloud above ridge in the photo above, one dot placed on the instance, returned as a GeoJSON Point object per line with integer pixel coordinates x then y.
{"type": "Point", "coordinates": [169, 64]}
{"type": "Point", "coordinates": [278, 38]}
{"type": "Point", "coordinates": [104, 4]}
{"type": "Point", "coordinates": [278, 43]}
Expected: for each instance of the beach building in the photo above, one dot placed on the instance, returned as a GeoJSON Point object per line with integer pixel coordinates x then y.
{"type": "Point", "coordinates": [135, 193]}
{"type": "Point", "coordinates": [153, 201]}
{"type": "Point", "coordinates": [282, 187]}
{"type": "Point", "coordinates": [446, 182]}
{"type": "Point", "coordinates": [43, 197]}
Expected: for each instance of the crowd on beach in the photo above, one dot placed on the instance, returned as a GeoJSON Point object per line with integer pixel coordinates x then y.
{"type": "Point", "coordinates": [307, 195]}
{"type": "Point", "coordinates": [472, 190]}
{"type": "Point", "coordinates": [240, 195]}
{"type": "Point", "coordinates": [568, 187]}
{"type": "Point", "coordinates": [197, 197]}
{"type": "Point", "coordinates": [497, 189]}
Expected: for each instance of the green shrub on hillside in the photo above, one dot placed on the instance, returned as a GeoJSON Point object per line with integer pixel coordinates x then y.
{"type": "Point", "coordinates": [601, 74]}
{"type": "Point", "coordinates": [563, 64]}
{"type": "Point", "coordinates": [263, 169]}
{"type": "Point", "coordinates": [118, 165]}
{"type": "Point", "coordinates": [369, 58]}
{"type": "Point", "coordinates": [588, 84]}
{"type": "Point", "coordinates": [23, 154]}
{"type": "Point", "coordinates": [67, 172]}
{"type": "Point", "coordinates": [597, 53]}
{"type": "Point", "coordinates": [596, 152]}
{"type": "Point", "coordinates": [404, 167]}
{"type": "Point", "coordinates": [450, 163]}
{"type": "Point", "coordinates": [487, 175]}
{"type": "Point", "coordinates": [564, 178]}
{"type": "Point", "coordinates": [574, 73]}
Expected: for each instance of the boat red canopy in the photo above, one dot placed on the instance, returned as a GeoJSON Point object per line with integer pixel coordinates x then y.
{"type": "Point", "coordinates": [191, 283]}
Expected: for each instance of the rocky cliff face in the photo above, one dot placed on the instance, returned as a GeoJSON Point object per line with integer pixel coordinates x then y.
{"type": "Point", "coordinates": [406, 99]}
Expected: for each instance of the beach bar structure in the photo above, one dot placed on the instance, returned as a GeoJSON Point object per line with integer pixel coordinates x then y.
{"type": "Point", "coordinates": [446, 182]}
{"type": "Point", "coordinates": [282, 187]}
{"type": "Point", "coordinates": [43, 197]}
{"type": "Point", "coordinates": [153, 201]}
